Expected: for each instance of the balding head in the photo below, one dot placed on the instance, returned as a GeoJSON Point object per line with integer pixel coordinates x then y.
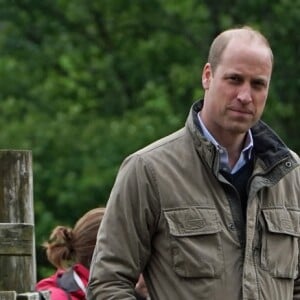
{"type": "Point", "coordinates": [244, 34]}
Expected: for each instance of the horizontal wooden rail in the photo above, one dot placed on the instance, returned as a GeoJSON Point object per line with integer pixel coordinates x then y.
{"type": "Point", "coordinates": [12, 295]}
{"type": "Point", "coordinates": [8, 295]}
{"type": "Point", "coordinates": [16, 239]}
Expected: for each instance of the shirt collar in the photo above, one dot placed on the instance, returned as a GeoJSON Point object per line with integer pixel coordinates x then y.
{"type": "Point", "coordinates": [245, 153]}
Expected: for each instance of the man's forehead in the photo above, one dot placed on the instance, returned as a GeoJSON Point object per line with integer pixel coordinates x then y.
{"type": "Point", "coordinates": [240, 54]}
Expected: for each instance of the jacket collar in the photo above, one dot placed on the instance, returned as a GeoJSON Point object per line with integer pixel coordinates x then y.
{"type": "Point", "coordinates": [268, 146]}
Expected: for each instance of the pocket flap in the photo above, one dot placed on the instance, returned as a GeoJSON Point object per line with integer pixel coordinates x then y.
{"type": "Point", "coordinates": [282, 221]}
{"type": "Point", "coordinates": [192, 221]}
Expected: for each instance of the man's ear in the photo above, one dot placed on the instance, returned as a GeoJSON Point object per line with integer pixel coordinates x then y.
{"type": "Point", "coordinates": [206, 76]}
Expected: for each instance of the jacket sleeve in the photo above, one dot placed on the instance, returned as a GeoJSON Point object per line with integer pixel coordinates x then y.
{"type": "Point", "coordinates": [297, 280]}
{"type": "Point", "coordinates": [124, 238]}
{"type": "Point", "coordinates": [297, 289]}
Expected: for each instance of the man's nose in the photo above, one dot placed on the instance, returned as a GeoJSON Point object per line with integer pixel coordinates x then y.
{"type": "Point", "coordinates": [244, 94]}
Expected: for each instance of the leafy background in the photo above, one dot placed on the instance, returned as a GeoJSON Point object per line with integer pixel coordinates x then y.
{"type": "Point", "coordinates": [85, 83]}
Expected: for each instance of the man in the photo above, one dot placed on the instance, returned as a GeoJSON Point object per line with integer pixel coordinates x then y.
{"type": "Point", "coordinates": [211, 211]}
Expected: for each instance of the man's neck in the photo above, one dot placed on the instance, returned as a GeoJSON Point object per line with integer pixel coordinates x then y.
{"type": "Point", "coordinates": [234, 144]}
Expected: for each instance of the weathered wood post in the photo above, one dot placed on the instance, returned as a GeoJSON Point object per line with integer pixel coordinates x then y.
{"type": "Point", "coordinates": [17, 240]}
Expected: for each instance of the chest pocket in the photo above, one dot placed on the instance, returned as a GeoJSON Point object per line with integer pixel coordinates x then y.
{"type": "Point", "coordinates": [280, 249]}
{"type": "Point", "coordinates": [195, 242]}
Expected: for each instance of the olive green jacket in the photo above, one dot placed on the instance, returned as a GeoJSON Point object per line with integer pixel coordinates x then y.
{"type": "Point", "coordinates": [172, 215]}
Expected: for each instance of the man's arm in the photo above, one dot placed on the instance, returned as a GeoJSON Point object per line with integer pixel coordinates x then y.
{"type": "Point", "coordinates": [297, 289]}
{"type": "Point", "coordinates": [124, 239]}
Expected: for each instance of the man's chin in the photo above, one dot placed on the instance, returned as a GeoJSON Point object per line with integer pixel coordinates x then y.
{"type": "Point", "coordinates": [239, 129]}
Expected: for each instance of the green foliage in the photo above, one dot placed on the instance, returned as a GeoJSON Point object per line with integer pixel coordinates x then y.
{"type": "Point", "coordinates": [85, 83]}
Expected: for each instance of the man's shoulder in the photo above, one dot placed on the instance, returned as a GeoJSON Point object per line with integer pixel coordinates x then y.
{"type": "Point", "coordinates": [163, 143]}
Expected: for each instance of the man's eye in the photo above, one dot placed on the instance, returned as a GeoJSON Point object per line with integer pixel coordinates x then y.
{"type": "Point", "coordinates": [258, 84]}
{"type": "Point", "coordinates": [234, 78]}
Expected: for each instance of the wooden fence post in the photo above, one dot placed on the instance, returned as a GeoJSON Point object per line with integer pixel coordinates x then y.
{"type": "Point", "coordinates": [17, 239]}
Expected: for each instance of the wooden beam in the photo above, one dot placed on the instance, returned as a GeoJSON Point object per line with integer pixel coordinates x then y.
{"type": "Point", "coordinates": [8, 295]}
{"type": "Point", "coordinates": [16, 239]}
{"type": "Point", "coordinates": [18, 268]}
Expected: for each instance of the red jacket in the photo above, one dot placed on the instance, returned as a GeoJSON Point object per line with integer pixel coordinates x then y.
{"type": "Point", "coordinates": [63, 286]}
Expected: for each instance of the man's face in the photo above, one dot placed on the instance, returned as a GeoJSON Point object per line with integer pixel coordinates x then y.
{"type": "Point", "coordinates": [236, 92]}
